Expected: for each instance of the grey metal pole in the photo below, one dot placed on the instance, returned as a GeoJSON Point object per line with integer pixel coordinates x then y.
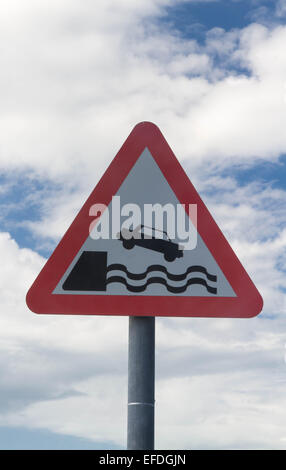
{"type": "Point", "coordinates": [141, 383]}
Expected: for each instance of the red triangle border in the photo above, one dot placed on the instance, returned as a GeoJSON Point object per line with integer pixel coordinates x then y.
{"type": "Point", "coordinates": [40, 299]}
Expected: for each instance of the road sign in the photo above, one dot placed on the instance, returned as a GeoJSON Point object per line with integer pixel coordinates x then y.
{"type": "Point", "coordinates": [144, 243]}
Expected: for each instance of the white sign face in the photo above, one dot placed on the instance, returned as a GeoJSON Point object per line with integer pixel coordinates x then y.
{"type": "Point", "coordinates": [144, 244]}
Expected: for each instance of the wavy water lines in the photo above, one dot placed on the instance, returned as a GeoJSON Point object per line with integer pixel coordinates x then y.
{"type": "Point", "coordinates": [175, 289]}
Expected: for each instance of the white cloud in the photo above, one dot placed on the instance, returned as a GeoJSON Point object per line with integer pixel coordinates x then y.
{"type": "Point", "coordinates": [73, 76]}
{"type": "Point", "coordinates": [228, 416]}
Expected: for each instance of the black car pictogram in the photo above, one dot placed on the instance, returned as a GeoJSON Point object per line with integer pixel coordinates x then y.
{"type": "Point", "coordinates": [140, 237]}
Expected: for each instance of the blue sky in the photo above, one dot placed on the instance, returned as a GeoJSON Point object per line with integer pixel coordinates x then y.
{"type": "Point", "coordinates": [75, 80]}
{"type": "Point", "coordinates": [24, 439]}
{"type": "Point", "coordinates": [194, 20]}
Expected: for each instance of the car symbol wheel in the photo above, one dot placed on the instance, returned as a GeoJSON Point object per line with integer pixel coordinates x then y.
{"type": "Point", "coordinates": [128, 244]}
{"type": "Point", "coordinates": [169, 257]}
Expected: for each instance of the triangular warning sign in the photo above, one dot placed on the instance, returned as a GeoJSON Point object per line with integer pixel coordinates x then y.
{"type": "Point", "coordinates": [144, 243]}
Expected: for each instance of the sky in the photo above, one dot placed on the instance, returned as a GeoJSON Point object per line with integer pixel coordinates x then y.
{"type": "Point", "coordinates": [75, 78]}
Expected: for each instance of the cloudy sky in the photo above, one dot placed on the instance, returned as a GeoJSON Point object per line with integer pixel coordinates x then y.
{"type": "Point", "coordinates": [75, 77]}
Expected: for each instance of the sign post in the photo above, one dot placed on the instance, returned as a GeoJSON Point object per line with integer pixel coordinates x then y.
{"type": "Point", "coordinates": [141, 383]}
{"type": "Point", "coordinates": [144, 242]}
